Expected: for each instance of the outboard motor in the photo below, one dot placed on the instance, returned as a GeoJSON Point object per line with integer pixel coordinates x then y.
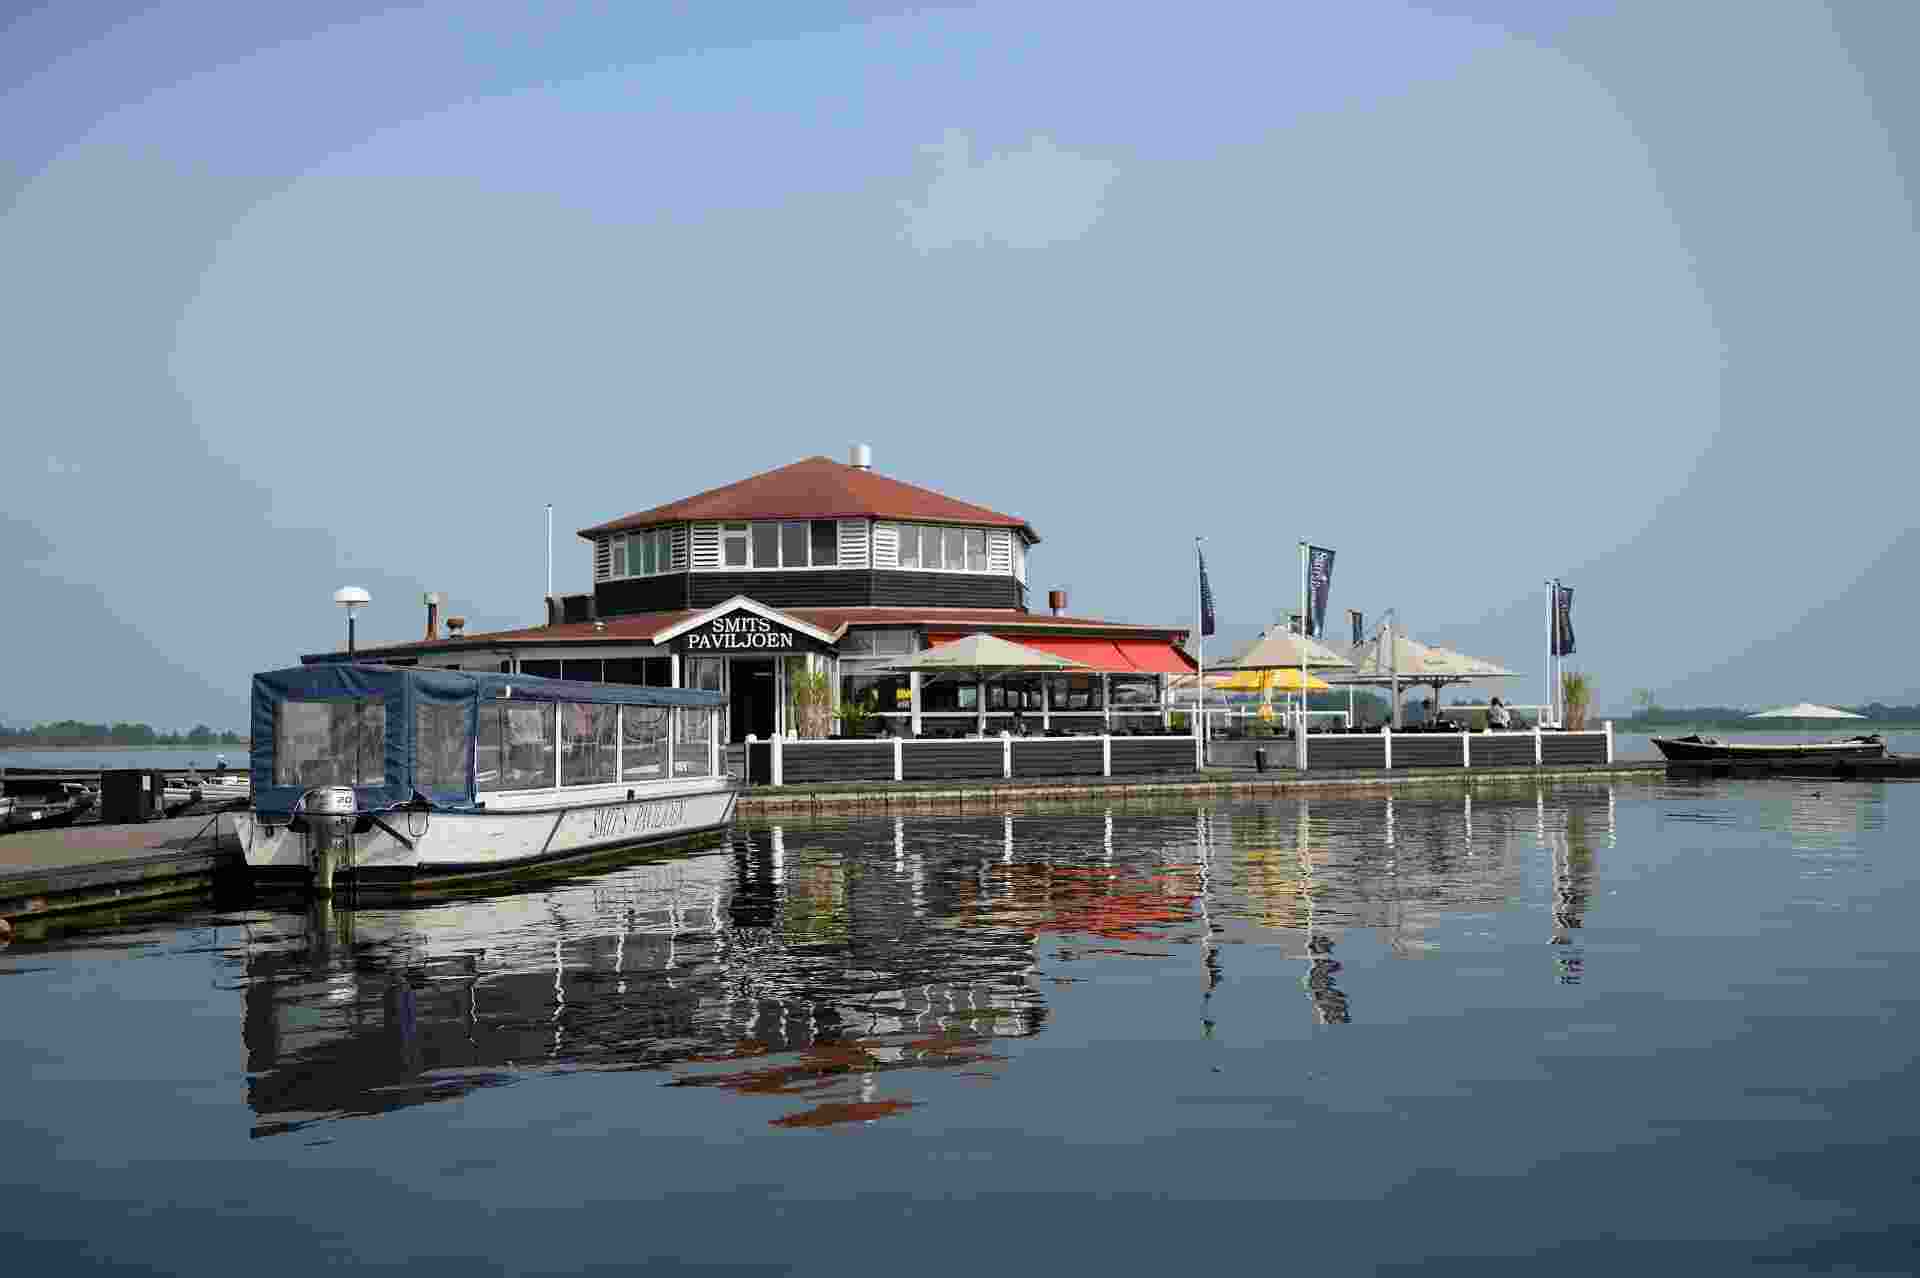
{"type": "Point", "coordinates": [330, 818]}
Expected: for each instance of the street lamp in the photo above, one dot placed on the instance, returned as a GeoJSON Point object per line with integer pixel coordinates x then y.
{"type": "Point", "coordinates": [350, 598]}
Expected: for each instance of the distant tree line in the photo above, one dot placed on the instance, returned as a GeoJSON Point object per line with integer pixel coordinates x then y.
{"type": "Point", "coordinates": [72, 732]}
{"type": "Point", "coordinates": [1657, 716]}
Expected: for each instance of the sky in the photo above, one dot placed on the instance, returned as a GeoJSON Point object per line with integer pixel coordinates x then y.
{"type": "Point", "coordinates": [1475, 293]}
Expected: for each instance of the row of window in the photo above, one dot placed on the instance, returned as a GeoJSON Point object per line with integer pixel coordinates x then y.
{"type": "Point", "coordinates": [804, 543]}
{"type": "Point", "coordinates": [934, 548]}
{"type": "Point", "coordinates": [533, 745]}
{"type": "Point", "coordinates": [643, 554]}
{"type": "Point", "coordinates": [793, 543]}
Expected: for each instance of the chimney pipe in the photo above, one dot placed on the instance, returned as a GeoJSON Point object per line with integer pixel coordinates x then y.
{"type": "Point", "coordinates": [862, 458]}
{"type": "Point", "coordinates": [454, 626]}
{"type": "Point", "coordinates": [1057, 600]}
{"type": "Point", "coordinates": [433, 600]}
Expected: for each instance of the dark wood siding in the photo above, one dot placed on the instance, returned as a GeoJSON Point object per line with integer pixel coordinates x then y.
{"type": "Point", "coordinates": [942, 761]}
{"type": "Point", "coordinates": [666, 593]}
{"type": "Point", "coordinates": [896, 589]}
{"type": "Point", "coordinates": [1573, 747]}
{"type": "Point", "coordinates": [847, 588]}
{"type": "Point", "coordinates": [1421, 750]}
{"type": "Point", "coordinates": [802, 762]}
{"type": "Point", "coordinates": [1052, 757]}
{"type": "Point", "coordinates": [1149, 754]}
{"type": "Point", "coordinates": [1342, 751]}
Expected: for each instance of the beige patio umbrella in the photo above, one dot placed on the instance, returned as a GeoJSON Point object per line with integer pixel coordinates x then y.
{"type": "Point", "coordinates": [1384, 662]}
{"type": "Point", "coordinates": [981, 654]}
{"type": "Point", "coordinates": [1805, 710]}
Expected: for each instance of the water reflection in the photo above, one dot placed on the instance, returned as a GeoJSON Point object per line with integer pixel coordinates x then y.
{"type": "Point", "coordinates": [811, 959]}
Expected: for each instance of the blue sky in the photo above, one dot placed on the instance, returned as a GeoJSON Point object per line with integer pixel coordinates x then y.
{"type": "Point", "coordinates": [1474, 293]}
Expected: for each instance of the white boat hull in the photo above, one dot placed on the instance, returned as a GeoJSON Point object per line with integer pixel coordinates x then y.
{"type": "Point", "coordinates": [516, 831]}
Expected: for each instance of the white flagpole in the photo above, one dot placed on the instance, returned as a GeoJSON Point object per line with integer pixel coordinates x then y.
{"type": "Point", "coordinates": [1553, 624]}
{"type": "Point", "coordinates": [1200, 637]}
{"type": "Point", "coordinates": [1300, 717]}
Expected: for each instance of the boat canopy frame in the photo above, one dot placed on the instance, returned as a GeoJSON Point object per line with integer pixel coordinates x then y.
{"type": "Point", "coordinates": [402, 691]}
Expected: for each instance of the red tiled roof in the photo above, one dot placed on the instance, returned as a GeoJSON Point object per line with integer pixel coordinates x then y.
{"type": "Point", "coordinates": [818, 488]}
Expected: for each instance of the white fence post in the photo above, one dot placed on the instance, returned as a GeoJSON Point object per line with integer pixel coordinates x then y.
{"type": "Point", "coordinates": [1199, 740]}
{"type": "Point", "coordinates": [1466, 749]}
{"type": "Point", "coordinates": [1609, 742]}
{"type": "Point", "coordinates": [1006, 756]}
{"type": "Point", "coordinates": [778, 778]}
{"type": "Point", "coordinates": [1536, 743]}
{"type": "Point", "coordinates": [1386, 735]}
{"type": "Point", "coordinates": [899, 745]}
{"type": "Point", "coordinates": [1106, 754]}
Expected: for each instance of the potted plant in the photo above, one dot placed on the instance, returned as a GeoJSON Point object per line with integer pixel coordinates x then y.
{"type": "Point", "coordinates": [859, 718]}
{"type": "Point", "coordinates": [810, 698]}
{"type": "Point", "coordinates": [1576, 694]}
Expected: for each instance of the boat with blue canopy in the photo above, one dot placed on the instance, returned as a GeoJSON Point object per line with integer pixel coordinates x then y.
{"type": "Point", "coordinates": [369, 774]}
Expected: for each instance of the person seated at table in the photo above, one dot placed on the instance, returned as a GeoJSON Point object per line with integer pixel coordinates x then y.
{"type": "Point", "coordinates": [1019, 728]}
{"type": "Point", "coordinates": [1499, 718]}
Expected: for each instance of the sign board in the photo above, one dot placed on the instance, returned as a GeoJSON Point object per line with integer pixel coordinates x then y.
{"type": "Point", "coordinates": [744, 632]}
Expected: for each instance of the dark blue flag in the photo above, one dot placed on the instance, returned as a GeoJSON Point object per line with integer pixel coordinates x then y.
{"type": "Point", "coordinates": [1206, 597]}
{"type": "Point", "coordinates": [1319, 582]}
{"type": "Point", "coordinates": [1354, 613]}
{"type": "Point", "coordinates": [1562, 620]}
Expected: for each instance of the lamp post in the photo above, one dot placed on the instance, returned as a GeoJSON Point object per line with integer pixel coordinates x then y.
{"type": "Point", "coordinates": [351, 598]}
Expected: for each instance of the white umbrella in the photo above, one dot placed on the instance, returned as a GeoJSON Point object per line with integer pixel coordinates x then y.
{"type": "Point", "coordinates": [1805, 710]}
{"type": "Point", "coordinates": [983, 654]}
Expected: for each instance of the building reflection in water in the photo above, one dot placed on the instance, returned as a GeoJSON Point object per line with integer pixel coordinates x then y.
{"type": "Point", "coordinates": [811, 960]}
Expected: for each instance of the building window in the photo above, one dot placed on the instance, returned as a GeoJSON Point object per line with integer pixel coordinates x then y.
{"type": "Point", "coordinates": [826, 543]}
{"type": "Point", "coordinates": [643, 554]}
{"type": "Point", "coordinates": [938, 548]}
{"type": "Point", "coordinates": [766, 545]}
{"type": "Point", "coordinates": [793, 545]}
{"type": "Point", "coordinates": [733, 545]}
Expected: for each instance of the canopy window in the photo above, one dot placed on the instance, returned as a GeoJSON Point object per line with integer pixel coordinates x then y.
{"type": "Point", "coordinates": [340, 742]}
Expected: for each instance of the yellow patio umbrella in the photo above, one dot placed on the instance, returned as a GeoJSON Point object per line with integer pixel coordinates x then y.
{"type": "Point", "coordinates": [1281, 679]}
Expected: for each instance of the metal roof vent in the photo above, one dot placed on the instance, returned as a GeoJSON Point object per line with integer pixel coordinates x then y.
{"type": "Point", "coordinates": [862, 458]}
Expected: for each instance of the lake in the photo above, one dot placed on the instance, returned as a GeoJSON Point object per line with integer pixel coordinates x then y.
{"type": "Point", "coordinates": [1567, 1029]}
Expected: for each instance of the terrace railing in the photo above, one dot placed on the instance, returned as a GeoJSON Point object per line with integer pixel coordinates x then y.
{"type": "Point", "coordinates": [780, 761]}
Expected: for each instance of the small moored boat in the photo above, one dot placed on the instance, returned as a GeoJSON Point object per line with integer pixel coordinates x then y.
{"type": "Point", "coordinates": [1699, 749]}
{"type": "Point", "coordinates": [368, 775]}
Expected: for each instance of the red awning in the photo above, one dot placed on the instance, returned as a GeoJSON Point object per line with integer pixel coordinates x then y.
{"type": "Point", "coordinates": [1109, 656]}
{"type": "Point", "coordinates": [1155, 658]}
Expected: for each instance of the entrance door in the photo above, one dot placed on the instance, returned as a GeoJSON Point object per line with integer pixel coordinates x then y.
{"type": "Point", "coordinates": [752, 705]}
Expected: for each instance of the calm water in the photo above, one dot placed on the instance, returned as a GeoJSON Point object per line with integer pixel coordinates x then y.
{"type": "Point", "coordinates": [157, 757]}
{"type": "Point", "coordinates": [1562, 1031]}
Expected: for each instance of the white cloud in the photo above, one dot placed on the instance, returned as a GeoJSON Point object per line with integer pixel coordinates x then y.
{"type": "Point", "coordinates": [1029, 198]}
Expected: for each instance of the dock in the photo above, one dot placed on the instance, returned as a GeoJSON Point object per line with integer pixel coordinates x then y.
{"type": "Point", "coordinates": [85, 867]}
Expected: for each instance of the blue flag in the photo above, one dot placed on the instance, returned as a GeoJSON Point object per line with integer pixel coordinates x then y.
{"type": "Point", "coordinates": [1206, 596]}
{"type": "Point", "coordinates": [1562, 620]}
{"type": "Point", "coordinates": [1319, 582]}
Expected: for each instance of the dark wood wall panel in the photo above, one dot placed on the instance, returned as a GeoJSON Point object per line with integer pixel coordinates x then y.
{"type": "Point", "coordinates": [1502, 752]}
{"type": "Point", "coordinates": [1133, 755]}
{"type": "Point", "coordinates": [1423, 751]}
{"type": "Point", "coordinates": [1345, 752]}
{"type": "Point", "coordinates": [1573, 748]}
{"type": "Point", "coordinates": [801, 762]}
{"type": "Point", "coordinates": [939, 761]}
{"type": "Point", "coordinates": [1050, 757]}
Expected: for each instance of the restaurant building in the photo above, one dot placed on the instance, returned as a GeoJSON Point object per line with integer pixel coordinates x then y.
{"type": "Point", "coordinates": [813, 579]}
